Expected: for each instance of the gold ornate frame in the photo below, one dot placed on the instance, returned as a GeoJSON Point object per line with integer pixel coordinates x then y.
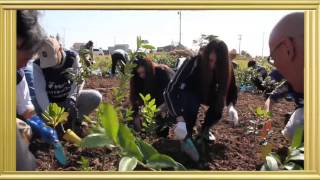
{"type": "Point", "coordinates": [8, 95]}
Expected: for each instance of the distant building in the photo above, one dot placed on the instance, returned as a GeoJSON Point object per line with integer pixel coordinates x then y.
{"type": "Point", "coordinates": [124, 47]}
{"type": "Point", "coordinates": [170, 48]}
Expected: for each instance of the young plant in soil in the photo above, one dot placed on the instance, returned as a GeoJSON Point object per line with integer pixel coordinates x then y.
{"type": "Point", "coordinates": [148, 111]}
{"type": "Point", "coordinates": [78, 75]}
{"type": "Point", "coordinates": [120, 93]}
{"type": "Point", "coordinates": [84, 162]}
{"type": "Point", "coordinates": [294, 159]}
{"type": "Point", "coordinates": [133, 151]}
{"type": "Point", "coordinates": [55, 115]}
{"type": "Point", "coordinates": [261, 128]}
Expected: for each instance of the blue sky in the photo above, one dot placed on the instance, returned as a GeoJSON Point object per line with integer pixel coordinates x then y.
{"type": "Point", "coordinates": [161, 28]}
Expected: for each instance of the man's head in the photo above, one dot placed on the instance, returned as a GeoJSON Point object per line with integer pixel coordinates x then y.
{"type": "Point", "coordinates": [287, 49]}
{"type": "Point", "coordinates": [29, 36]}
{"type": "Point", "coordinates": [50, 53]}
{"type": "Point", "coordinates": [232, 54]}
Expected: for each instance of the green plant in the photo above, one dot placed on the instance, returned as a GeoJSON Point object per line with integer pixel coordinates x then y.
{"type": "Point", "coordinates": [84, 162]}
{"type": "Point", "coordinates": [55, 115]}
{"type": "Point", "coordinates": [244, 76]}
{"type": "Point", "coordinates": [261, 127]}
{"type": "Point", "coordinates": [294, 159]}
{"type": "Point", "coordinates": [148, 111]}
{"type": "Point", "coordinates": [132, 150]}
{"type": "Point", "coordinates": [120, 93]}
{"type": "Point", "coordinates": [78, 75]}
{"type": "Point", "coordinates": [164, 58]}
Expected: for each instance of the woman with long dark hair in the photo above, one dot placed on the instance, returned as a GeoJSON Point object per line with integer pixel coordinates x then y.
{"type": "Point", "coordinates": [203, 83]}
{"type": "Point", "coordinates": [148, 78]}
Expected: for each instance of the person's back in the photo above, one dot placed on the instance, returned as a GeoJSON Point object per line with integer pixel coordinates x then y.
{"type": "Point", "coordinates": [118, 56]}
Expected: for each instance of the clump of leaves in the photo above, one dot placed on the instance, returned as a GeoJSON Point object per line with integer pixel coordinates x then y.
{"type": "Point", "coordinates": [293, 161]}
{"type": "Point", "coordinates": [84, 162]}
{"type": "Point", "coordinates": [148, 111]}
{"type": "Point", "coordinates": [132, 150]}
{"type": "Point", "coordinates": [55, 115]}
{"type": "Point", "coordinates": [244, 77]}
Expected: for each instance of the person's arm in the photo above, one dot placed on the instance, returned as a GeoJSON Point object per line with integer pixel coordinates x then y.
{"type": "Point", "coordinates": [40, 87]}
{"type": "Point", "coordinates": [231, 100]}
{"type": "Point", "coordinates": [24, 105]}
{"type": "Point", "coordinates": [232, 95]}
{"type": "Point", "coordinates": [76, 88]}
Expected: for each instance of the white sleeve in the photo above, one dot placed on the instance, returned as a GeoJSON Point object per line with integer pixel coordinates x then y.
{"type": "Point", "coordinates": [296, 120]}
{"type": "Point", "coordinates": [40, 87]}
{"type": "Point", "coordinates": [76, 65]}
{"type": "Point", "coordinates": [23, 98]}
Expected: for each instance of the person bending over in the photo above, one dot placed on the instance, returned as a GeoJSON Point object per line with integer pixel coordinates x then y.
{"type": "Point", "coordinates": [203, 83]}
{"type": "Point", "coordinates": [149, 78]}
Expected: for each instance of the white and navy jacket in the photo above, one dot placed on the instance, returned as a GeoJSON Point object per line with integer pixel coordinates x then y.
{"type": "Point", "coordinates": [52, 85]}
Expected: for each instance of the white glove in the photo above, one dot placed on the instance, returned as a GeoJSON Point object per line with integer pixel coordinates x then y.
{"type": "Point", "coordinates": [180, 131]}
{"type": "Point", "coordinates": [233, 115]}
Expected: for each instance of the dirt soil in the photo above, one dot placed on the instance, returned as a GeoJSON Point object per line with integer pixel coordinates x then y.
{"type": "Point", "coordinates": [232, 150]}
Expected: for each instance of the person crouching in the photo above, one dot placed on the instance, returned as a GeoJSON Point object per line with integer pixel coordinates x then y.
{"type": "Point", "coordinates": [53, 85]}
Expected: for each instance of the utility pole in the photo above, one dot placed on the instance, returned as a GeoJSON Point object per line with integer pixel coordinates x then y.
{"type": "Point", "coordinates": [240, 38]}
{"type": "Point", "coordinates": [179, 12]}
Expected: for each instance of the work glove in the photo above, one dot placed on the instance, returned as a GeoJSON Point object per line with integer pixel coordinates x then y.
{"type": "Point", "coordinates": [233, 115]}
{"type": "Point", "coordinates": [49, 135]}
{"type": "Point", "coordinates": [38, 126]}
{"type": "Point", "coordinates": [180, 131]}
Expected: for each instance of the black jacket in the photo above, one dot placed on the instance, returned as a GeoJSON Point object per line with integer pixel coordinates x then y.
{"type": "Point", "coordinates": [187, 80]}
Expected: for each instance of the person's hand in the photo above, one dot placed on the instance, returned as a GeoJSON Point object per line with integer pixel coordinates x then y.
{"type": "Point", "coordinates": [233, 115]}
{"type": "Point", "coordinates": [267, 104]}
{"type": "Point", "coordinates": [38, 126]}
{"type": "Point", "coordinates": [49, 135]}
{"type": "Point", "coordinates": [180, 130]}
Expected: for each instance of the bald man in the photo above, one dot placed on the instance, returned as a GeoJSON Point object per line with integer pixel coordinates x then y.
{"type": "Point", "coordinates": [287, 54]}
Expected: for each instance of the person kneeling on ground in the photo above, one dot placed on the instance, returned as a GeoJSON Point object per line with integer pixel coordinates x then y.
{"type": "Point", "coordinates": [149, 78]}
{"type": "Point", "coordinates": [286, 44]}
{"type": "Point", "coordinates": [201, 85]}
{"type": "Point", "coordinates": [53, 85]}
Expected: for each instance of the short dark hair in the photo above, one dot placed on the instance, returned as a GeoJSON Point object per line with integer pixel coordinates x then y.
{"type": "Point", "coordinates": [29, 29]}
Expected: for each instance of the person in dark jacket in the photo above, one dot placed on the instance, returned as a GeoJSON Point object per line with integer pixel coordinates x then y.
{"type": "Point", "coordinates": [206, 79]}
{"type": "Point", "coordinates": [262, 74]}
{"type": "Point", "coordinates": [119, 57]}
{"type": "Point", "coordinates": [148, 78]}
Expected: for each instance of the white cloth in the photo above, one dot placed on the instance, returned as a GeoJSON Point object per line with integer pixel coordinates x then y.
{"type": "Point", "coordinates": [180, 131]}
{"type": "Point", "coordinates": [296, 120]}
{"type": "Point", "coordinates": [23, 99]}
{"type": "Point", "coordinates": [233, 115]}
